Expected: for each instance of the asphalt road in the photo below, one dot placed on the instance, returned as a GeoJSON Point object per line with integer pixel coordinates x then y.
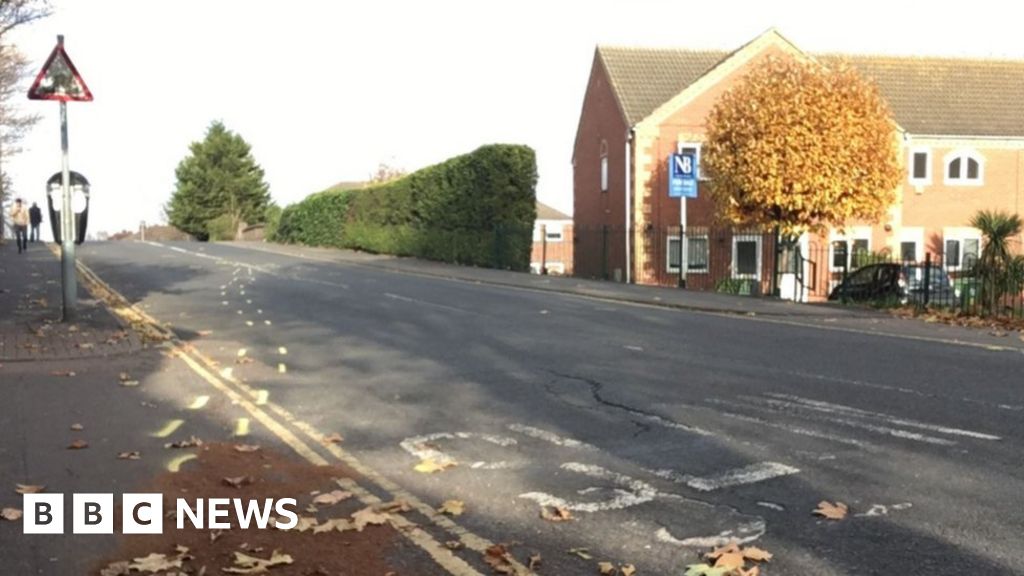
{"type": "Point", "coordinates": [663, 431]}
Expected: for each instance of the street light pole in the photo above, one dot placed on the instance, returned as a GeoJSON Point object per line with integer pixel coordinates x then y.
{"type": "Point", "coordinates": [69, 280]}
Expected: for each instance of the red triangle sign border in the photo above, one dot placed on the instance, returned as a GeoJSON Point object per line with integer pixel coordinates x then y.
{"type": "Point", "coordinates": [36, 92]}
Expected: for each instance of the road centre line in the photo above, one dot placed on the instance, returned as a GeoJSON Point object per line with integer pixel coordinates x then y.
{"type": "Point", "coordinates": [653, 305]}
{"type": "Point", "coordinates": [830, 408]}
{"type": "Point", "coordinates": [455, 565]}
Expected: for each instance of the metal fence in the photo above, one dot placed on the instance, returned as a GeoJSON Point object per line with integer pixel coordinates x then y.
{"type": "Point", "coordinates": [756, 263]}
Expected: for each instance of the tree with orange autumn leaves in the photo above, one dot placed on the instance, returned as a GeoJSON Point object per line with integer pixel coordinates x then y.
{"type": "Point", "coordinates": [802, 147]}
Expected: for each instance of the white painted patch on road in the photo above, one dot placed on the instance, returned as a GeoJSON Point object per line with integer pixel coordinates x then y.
{"type": "Point", "coordinates": [799, 430]}
{"type": "Point", "coordinates": [425, 447]}
{"type": "Point", "coordinates": [282, 351]}
{"type": "Point", "coordinates": [242, 427]}
{"type": "Point", "coordinates": [883, 510]}
{"type": "Point", "coordinates": [282, 368]}
{"type": "Point", "coordinates": [754, 473]}
{"type": "Point", "coordinates": [261, 397]}
{"type": "Point", "coordinates": [227, 372]}
{"type": "Point", "coordinates": [267, 322]}
{"type": "Point", "coordinates": [397, 297]}
{"type": "Point", "coordinates": [549, 437]}
{"type": "Point", "coordinates": [242, 352]}
{"type": "Point", "coordinates": [772, 506]}
{"type": "Point", "coordinates": [249, 323]}
{"type": "Point", "coordinates": [744, 534]}
{"type": "Point", "coordinates": [634, 348]}
{"type": "Point", "coordinates": [628, 492]}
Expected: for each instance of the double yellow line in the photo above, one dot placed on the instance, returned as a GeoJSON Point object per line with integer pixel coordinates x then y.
{"type": "Point", "coordinates": [281, 424]}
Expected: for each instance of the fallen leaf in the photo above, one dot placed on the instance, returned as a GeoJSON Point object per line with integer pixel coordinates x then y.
{"type": "Point", "coordinates": [334, 524]}
{"type": "Point", "coordinates": [133, 455]}
{"type": "Point", "coordinates": [394, 506]}
{"type": "Point", "coordinates": [705, 570]}
{"type": "Point", "coordinates": [204, 332]}
{"type": "Point", "coordinates": [754, 571]}
{"type": "Point", "coordinates": [85, 345]}
{"type": "Point", "coordinates": [756, 554]}
{"type": "Point", "coordinates": [583, 553]}
{"type": "Point", "coordinates": [237, 481]}
{"type": "Point", "coordinates": [730, 561]}
{"type": "Point", "coordinates": [730, 548]}
{"type": "Point", "coordinates": [245, 448]}
{"type": "Point", "coordinates": [28, 488]}
{"type": "Point", "coordinates": [627, 569]}
{"type": "Point", "coordinates": [555, 513]}
{"type": "Point", "coordinates": [832, 511]}
{"type": "Point", "coordinates": [129, 383]}
{"type": "Point", "coordinates": [333, 439]}
{"type": "Point", "coordinates": [431, 466]}
{"type": "Point", "coordinates": [245, 564]}
{"type": "Point", "coordinates": [155, 563]}
{"type": "Point", "coordinates": [498, 558]}
{"type": "Point", "coordinates": [332, 497]}
{"type": "Point", "coordinates": [78, 445]}
{"type": "Point", "coordinates": [452, 507]}
{"type": "Point", "coordinates": [606, 568]}
{"type": "Point", "coordinates": [77, 427]}
{"type": "Point", "coordinates": [190, 443]}
{"type": "Point", "coordinates": [368, 516]}
{"type": "Point", "coordinates": [11, 514]}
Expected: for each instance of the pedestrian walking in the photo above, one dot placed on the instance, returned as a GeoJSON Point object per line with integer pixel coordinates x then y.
{"type": "Point", "coordinates": [19, 216]}
{"type": "Point", "coordinates": [35, 218]}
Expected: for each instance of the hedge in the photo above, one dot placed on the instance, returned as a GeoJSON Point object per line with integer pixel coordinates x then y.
{"type": "Point", "coordinates": [476, 209]}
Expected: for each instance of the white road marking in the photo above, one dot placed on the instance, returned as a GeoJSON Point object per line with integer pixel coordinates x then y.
{"type": "Point", "coordinates": [883, 510]}
{"type": "Point", "coordinates": [282, 368]}
{"type": "Point", "coordinates": [242, 427]}
{"type": "Point", "coordinates": [170, 428]}
{"type": "Point", "coordinates": [248, 323]}
{"type": "Point", "coordinates": [630, 492]}
{"type": "Point", "coordinates": [799, 430]}
{"type": "Point", "coordinates": [226, 372]}
{"type": "Point", "coordinates": [877, 429]}
{"type": "Point", "coordinates": [242, 352]}
{"type": "Point", "coordinates": [758, 472]}
{"type": "Point", "coordinates": [830, 408]}
{"type": "Point", "coordinates": [199, 403]}
{"type": "Point", "coordinates": [549, 437]}
{"type": "Point", "coordinates": [262, 396]}
{"type": "Point", "coordinates": [634, 348]}
{"type": "Point", "coordinates": [772, 506]}
{"type": "Point", "coordinates": [425, 448]}
{"type": "Point", "coordinates": [282, 351]}
{"type": "Point", "coordinates": [224, 302]}
{"type": "Point", "coordinates": [259, 311]}
{"type": "Point", "coordinates": [267, 322]}
{"type": "Point", "coordinates": [742, 535]}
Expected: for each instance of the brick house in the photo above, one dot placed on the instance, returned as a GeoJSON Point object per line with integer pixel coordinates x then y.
{"type": "Point", "coordinates": [552, 242]}
{"type": "Point", "coordinates": [961, 129]}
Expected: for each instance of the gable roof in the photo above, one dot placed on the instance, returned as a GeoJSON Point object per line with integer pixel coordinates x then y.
{"type": "Point", "coordinates": [927, 95]}
{"type": "Point", "coordinates": [545, 212]}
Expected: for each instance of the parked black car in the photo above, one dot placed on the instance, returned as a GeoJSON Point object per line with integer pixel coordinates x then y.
{"type": "Point", "coordinates": [896, 283]}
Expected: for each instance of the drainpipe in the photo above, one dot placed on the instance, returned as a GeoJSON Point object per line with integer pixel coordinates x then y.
{"type": "Point", "coordinates": [629, 267]}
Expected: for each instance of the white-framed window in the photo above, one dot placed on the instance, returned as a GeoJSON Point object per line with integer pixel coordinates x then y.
{"type": "Point", "coordinates": [553, 233]}
{"type": "Point", "coordinates": [850, 250]}
{"type": "Point", "coordinates": [920, 164]}
{"type": "Point", "coordinates": [961, 248]}
{"type": "Point", "coordinates": [964, 168]}
{"type": "Point", "coordinates": [911, 245]}
{"type": "Point", "coordinates": [692, 148]}
{"type": "Point", "coordinates": [697, 256]}
{"type": "Point", "coordinates": [746, 256]}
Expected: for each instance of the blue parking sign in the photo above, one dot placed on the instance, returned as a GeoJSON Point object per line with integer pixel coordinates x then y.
{"type": "Point", "coordinates": [682, 176]}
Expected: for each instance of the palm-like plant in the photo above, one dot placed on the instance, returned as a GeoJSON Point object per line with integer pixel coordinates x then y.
{"type": "Point", "coordinates": [997, 268]}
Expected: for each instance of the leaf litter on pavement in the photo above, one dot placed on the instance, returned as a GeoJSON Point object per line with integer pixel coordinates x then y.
{"type": "Point", "coordinates": [730, 560]}
{"type": "Point", "coordinates": [832, 511]}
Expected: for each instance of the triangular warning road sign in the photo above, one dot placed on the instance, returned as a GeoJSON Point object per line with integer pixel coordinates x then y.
{"type": "Point", "coordinates": [59, 80]}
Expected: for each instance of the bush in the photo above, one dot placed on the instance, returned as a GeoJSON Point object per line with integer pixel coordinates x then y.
{"type": "Point", "coordinates": [221, 228]}
{"type": "Point", "coordinates": [272, 217]}
{"type": "Point", "coordinates": [476, 209]}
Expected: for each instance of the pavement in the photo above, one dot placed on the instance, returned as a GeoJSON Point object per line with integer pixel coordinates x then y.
{"type": "Point", "coordinates": [663, 429]}
{"type": "Point", "coordinates": [141, 415]}
{"type": "Point", "coordinates": [30, 313]}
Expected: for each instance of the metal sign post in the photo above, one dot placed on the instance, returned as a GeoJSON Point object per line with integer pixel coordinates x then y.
{"type": "Point", "coordinates": [59, 80]}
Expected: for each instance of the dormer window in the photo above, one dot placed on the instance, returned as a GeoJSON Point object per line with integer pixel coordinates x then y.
{"type": "Point", "coordinates": [964, 168]}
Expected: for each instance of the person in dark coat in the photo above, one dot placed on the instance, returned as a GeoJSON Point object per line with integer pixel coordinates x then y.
{"type": "Point", "coordinates": [35, 218]}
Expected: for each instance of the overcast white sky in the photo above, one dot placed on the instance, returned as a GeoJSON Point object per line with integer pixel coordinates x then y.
{"type": "Point", "coordinates": [325, 90]}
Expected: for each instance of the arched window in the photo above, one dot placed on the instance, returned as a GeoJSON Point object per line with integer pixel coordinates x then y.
{"type": "Point", "coordinates": [604, 166]}
{"type": "Point", "coordinates": [965, 168]}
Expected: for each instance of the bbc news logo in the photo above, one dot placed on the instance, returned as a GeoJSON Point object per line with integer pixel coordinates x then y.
{"type": "Point", "coordinates": [144, 513]}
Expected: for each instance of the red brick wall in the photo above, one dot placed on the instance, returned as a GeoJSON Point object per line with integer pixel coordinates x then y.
{"type": "Point", "coordinates": [600, 121]}
{"type": "Point", "coordinates": [555, 252]}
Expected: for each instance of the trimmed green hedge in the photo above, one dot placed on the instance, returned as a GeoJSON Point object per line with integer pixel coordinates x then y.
{"type": "Point", "coordinates": [475, 209]}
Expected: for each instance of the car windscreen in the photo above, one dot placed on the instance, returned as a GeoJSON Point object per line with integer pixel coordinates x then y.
{"type": "Point", "coordinates": [937, 277]}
